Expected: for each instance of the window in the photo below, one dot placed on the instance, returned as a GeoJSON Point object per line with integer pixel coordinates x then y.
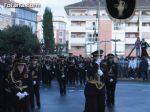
{"type": "Point", "coordinates": [132, 24]}
{"type": "Point", "coordinates": [145, 12]}
{"type": "Point", "coordinates": [7, 21]}
{"type": "Point", "coordinates": [145, 34]}
{"type": "Point", "coordinates": [129, 46]}
{"type": "Point", "coordinates": [77, 23]}
{"type": "Point", "coordinates": [130, 35]}
{"type": "Point", "coordinates": [77, 47]}
{"type": "Point", "coordinates": [60, 33]}
{"type": "Point", "coordinates": [1, 19]}
{"type": "Point", "coordinates": [30, 25]}
{"type": "Point", "coordinates": [60, 40]}
{"type": "Point", "coordinates": [21, 22]}
{"type": "Point", "coordinates": [78, 35]}
{"type": "Point", "coordinates": [73, 35]}
{"type": "Point", "coordinates": [117, 26]}
{"type": "Point", "coordinates": [146, 24]}
{"type": "Point", "coordinates": [89, 35]}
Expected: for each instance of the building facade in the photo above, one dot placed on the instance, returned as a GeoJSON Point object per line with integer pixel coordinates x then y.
{"type": "Point", "coordinates": [26, 16]}
{"type": "Point", "coordinates": [5, 15]}
{"type": "Point", "coordinates": [17, 16]}
{"type": "Point", "coordinates": [60, 30]}
{"type": "Point", "coordinates": [115, 37]}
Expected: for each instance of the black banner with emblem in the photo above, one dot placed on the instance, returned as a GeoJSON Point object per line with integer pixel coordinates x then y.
{"type": "Point", "coordinates": [120, 9]}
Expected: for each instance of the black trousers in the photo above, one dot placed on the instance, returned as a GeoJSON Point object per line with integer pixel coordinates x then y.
{"type": "Point", "coordinates": [22, 105]}
{"type": "Point", "coordinates": [82, 76]}
{"type": "Point", "coordinates": [35, 93]}
{"type": "Point", "coordinates": [62, 86]}
{"type": "Point", "coordinates": [110, 88]}
{"type": "Point", "coordinates": [94, 98]}
{"type": "Point", "coordinates": [8, 102]}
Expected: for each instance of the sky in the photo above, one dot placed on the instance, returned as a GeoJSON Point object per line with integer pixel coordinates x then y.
{"type": "Point", "coordinates": [57, 6]}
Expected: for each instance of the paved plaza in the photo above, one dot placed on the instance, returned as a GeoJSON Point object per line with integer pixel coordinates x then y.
{"type": "Point", "coordinates": [130, 97]}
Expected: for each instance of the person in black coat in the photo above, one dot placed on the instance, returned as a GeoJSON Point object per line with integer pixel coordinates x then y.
{"type": "Point", "coordinates": [7, 97]}
{"type": "Point", "coordinates": [143, 68]}
{"type": "Point", "coordinates": [20, 86]}
{"type": "Point", "coordinates": [2, 75]}
{"type": "Point", "coordinates": [61, 77]}
{"type": "Point", "coordinates": [111, 80]}
{"type": "Point", "coordinates": [94, 91]}
{"type": "Point", "coordinates": [35, 73]}
{"type": "Point", "coordinates": [144, 46]}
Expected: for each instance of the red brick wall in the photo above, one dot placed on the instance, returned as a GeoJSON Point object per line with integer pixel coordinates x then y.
{"type": "Point", "coordinates": [106, 34]}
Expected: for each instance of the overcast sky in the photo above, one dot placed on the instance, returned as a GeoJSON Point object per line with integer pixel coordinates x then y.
{"type": "Point", "coordinates": [57, 6]}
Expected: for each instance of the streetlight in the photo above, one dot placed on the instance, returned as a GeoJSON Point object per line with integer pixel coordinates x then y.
{"type": "Point", "coordinates": [105, 44]}
{"type": "Point", "coordinates": [115, 40]}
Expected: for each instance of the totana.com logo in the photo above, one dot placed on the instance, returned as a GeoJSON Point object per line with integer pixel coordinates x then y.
{"type": "Point", "coordinates": [13, 4]}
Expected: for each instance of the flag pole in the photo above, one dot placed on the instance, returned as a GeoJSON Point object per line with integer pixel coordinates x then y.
{"type": "Point", "coordinates": [98, 44]}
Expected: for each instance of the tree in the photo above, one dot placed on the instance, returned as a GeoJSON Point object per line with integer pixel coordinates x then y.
{"type": "Point", "coordinates": [48, 32]}
{"type": "Point", "coordinates": [18, 39]}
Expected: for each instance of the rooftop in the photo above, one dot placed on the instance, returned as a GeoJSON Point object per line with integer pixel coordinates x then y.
{"type": "Point", "coordinates": [92, 4]}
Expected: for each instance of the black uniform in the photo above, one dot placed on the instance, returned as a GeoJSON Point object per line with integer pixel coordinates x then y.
{"type": "Point", "coordinates": [82, 72]}
{"type": "Point", "coordinates": [1, 87]}
{"type": "Point", "coordinates": [20, 84]}
{"type": "Point", "coordinates": [111, 80]}
{"type": "Point", "coordinates": [5, 92]}
{"type": "Point", "coordinates": [46, 72]}
{"type": "Point", "coordinates": [35, 73]}
{"type": "Point", "coordinates": [95, 92]}
{"type": "Point", "coordinates": [61, 76]}
{"type": "Point", "coordinates": [144, 46]}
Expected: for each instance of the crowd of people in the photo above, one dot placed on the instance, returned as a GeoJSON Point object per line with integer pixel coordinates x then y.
{"type": "Point", "coordinates": [21, 77]}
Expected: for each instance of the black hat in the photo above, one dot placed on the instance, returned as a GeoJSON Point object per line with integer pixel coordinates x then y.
{"type": "Point", "coordinates": [95, 53]}
{"type": "Point", "coordinates": [110, 55]}
{"type": "Point", "coordinates": [20, 62]}
{"type": "Point", "coordinates": [33, 58]}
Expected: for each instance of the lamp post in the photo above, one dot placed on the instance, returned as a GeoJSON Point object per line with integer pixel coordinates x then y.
{"type": "Point", "coordinates": [115, 40]}
{"type": "Point", "coordinates": [105, 45]}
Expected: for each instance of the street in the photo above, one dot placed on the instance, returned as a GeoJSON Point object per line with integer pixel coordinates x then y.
{"type": "Point", "coordinates": [130, 97]}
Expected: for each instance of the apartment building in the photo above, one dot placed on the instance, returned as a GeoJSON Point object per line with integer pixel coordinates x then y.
{"type": "Point", "coordinates": [5, 15]}
{"type": "Point", "coordinates": [59, 27]}
{"type": "Point", "coordinates": [114, 37]}
{"type": "Point", "coordinates": [17, 16]}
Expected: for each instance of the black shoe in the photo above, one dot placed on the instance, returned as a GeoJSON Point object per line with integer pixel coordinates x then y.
{"type": "Point", "coordinates": [39, 107]}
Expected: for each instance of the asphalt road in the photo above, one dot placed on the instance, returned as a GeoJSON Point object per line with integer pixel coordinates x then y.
{"type": "Point", "coordinates": [130, 97]}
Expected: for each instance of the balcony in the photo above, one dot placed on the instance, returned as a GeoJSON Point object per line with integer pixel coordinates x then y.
{"type": "Point", "coordinates": [77, 40]}
{"type": "Point", "coordinates": [131, 29]}
{"type": "Point", "coordinates": [145, 29]}
{"type": "Point", "coordinates": [130, 40]}
{"type": "Point", "coordinates": [77, 29]}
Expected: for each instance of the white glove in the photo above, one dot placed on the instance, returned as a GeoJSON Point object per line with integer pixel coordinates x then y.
{"type": "Point", "coordinates": [62, 76]}
{"type": "Point", "coordinates": [52, 72]}
{"type": "Point", "coordinates": [25, 93]}
{"type": "Point", "coordinates": [100, 73]}
{"type": "Point", "coordinates": [111, 80]}
{"type": "Point", "coordinates": [34, 82]}
{"type": "Point", "coordinates": [98, 61]}
{"type": "Point", "coordinates": [20, 95]}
